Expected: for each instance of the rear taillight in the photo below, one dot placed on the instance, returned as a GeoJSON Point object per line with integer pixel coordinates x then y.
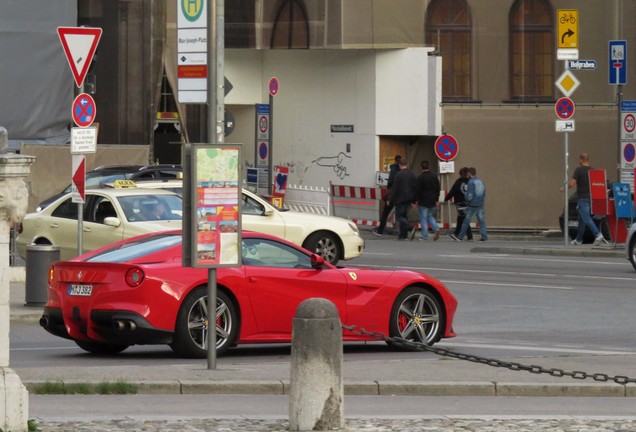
{"type": "Point", "coordinates": [51, 272]}
{"type": "Point", "coordinates": [134, 277]}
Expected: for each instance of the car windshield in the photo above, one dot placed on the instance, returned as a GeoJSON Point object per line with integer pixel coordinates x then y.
{"type": "Point", "coordinates": [136, 249]}
{"type": "Point", "coordinates": [139, 208]}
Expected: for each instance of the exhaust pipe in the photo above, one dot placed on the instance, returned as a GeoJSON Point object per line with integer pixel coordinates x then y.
{"type": "Point", "coordinates": [124, 325]}
{"type": "Point", "coordinates": [44, 322]}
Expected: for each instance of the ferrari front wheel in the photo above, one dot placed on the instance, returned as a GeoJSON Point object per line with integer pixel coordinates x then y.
{"type": "Point", "coordinates": [417, 316]}
{"type": "Point", "coordinates": [191, 329]}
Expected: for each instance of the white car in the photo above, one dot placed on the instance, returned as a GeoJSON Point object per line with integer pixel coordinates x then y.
{"type": "Point", "coordinates": [109, 215]}
{"type": "Point", "coordinates": [331, 237]}
{"type": "Point", "coordinates": [630, 245]}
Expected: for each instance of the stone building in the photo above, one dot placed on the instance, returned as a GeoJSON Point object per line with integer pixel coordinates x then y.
{"type": "Point", "coordinates": [395, 73]}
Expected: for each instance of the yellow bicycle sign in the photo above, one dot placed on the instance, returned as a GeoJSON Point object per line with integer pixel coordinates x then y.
{"type": "Point", "coordinates": [568, 28]}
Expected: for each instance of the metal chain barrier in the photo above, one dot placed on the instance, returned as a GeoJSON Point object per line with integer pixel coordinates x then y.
{"type": "Point", "coordinates": [404, 343]}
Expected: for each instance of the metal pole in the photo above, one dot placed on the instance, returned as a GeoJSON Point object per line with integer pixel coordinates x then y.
{"type": "Point", "coordinates": [619, 101]}
{"type": "Point", "coordinates": [270, 174]}
{"type": "Point", "coordinates": [212, 104]}
{"type": "Point", "coordinates": [211, 306]}
{"type": "Point", "coordinates": [220, 71]}
{"type": "Point", "coordinates": [80, 225]}
{"type": "Point", "coordinates": [566, 211]}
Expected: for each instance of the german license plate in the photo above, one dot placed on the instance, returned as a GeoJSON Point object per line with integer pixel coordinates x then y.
{"type": "Point", "coordinates": [80, 290]}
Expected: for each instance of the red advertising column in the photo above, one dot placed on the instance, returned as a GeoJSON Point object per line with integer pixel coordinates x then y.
{"type": "Point", "coordinates": [598, 191]}
{"type": "Point", "coordinates": [280, 185]}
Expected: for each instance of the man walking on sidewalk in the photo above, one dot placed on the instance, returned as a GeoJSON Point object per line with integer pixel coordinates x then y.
{"type": "Point", "coordinates": [427, 190]}
{"type": "Point", "coordinates": [402, 197]}
{"type": "Point", "coordinates": [386, 211]}
{"type": "Point", "coordinates": [581, 179]}
{"type": "Point", "coordinates": [475, 199]}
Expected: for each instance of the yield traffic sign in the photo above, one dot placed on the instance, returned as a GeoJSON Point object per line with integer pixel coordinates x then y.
{"type": "Point", "coordinates": [79, 45]}
{"type": "Point", "coordinates": [84, 110]}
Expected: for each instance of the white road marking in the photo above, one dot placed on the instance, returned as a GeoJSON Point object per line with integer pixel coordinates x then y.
{"type": "Point", "coordinates": [614, 262]}
{"type": "Point", "coordinates": [507, 284]}
{"type": "Point", "coordinates": [452, 345]}
{"type": "Point", "coordinates": [492, 272]}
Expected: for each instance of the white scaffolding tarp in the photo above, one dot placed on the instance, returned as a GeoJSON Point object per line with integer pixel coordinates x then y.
{"type": "Point", "coordinates": [36, 84]}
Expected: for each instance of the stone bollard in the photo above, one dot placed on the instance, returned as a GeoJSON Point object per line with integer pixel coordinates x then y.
{"type": "Point", "coordinates": [316, 400]}
{"type": "Point", "coordinates": [14, 196]}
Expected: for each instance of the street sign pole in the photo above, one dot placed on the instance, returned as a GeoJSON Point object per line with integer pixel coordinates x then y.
{"type": "Point", "coordinates": [566, 205]}
{"type": "Point", "coordinates": [619, 101]}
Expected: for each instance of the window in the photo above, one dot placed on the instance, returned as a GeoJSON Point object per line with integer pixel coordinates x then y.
{"type": "Point", "coordinates": [291, 27]}
{"type": "Point", "coordinates": [66, 210]}
{"type": "Point", "coordinates": [240, 24]}
{"type": "Point", "coordinates": [268, 253]}
{"type": "Point", "coordinates": [449, 29]}
{"type": "Point", "coordinates": [531, 51]}
{"type": "Point", "coordinates": [137, 249]}
{"type": "Point", "coordinates": [251, 206]}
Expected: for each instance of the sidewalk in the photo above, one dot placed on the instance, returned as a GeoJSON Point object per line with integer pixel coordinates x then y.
{"type": "Point", "coordinates": [425, 374]}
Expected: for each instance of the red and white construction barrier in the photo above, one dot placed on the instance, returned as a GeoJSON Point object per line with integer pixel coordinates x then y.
{"type": "Point", "coordinates": [360, 204]}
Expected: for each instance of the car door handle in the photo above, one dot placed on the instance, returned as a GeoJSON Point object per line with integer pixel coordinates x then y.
{"type": "Point", "coordinates": [86, 229]}
{"type": "Point", "coordinates": [54, 225]}
{"type": "Point", "coordinates": [252, 279]}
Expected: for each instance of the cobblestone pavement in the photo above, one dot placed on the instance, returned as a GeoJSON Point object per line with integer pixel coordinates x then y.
{"type": "Point", "coordinates": [565, 424]}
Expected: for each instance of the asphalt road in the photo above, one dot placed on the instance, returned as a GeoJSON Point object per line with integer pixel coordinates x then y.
{"type": "Point", "coordinates": [509, 305]}
{"type": "Point", "coordinates": [545, 307]}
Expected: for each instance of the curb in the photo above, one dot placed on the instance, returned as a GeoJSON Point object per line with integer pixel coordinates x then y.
{"type": "Point", "coordinates": [376, 388]}
{"type": "Point", "coordinates": [597, 253]}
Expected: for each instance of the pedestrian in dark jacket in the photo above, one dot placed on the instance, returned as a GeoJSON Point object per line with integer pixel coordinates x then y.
{"type": "Point", "coordinates": [402, 196]}
{"type": "Point", "coordinates": [386, 211]}
{"type": "Point", "coordinates": [456, 193]}
{"type": "Point", "coordinates": [427, 189]}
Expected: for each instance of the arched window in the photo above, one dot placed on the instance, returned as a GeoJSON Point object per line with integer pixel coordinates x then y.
{"type": "Point", "coordinates": [291, 27]}
{"type": "Point", "coordinates": [531, 51]}
{"type": "Point", "coordinates": [449, 29]}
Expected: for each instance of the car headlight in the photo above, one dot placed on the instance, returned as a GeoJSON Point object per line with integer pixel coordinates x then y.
{"type": "Point", "coordinates": [353, 226]}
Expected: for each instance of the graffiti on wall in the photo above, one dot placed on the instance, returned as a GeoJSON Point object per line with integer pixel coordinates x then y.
{"type": "Point", "coordinates": [338, 163]}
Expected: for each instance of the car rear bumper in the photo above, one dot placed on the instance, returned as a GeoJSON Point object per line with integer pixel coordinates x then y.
{"type": "Point", "coordinates": [106, 326]}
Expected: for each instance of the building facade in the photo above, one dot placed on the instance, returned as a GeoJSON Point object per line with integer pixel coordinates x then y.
{"type": "Point", "coordinates": [497, 91]}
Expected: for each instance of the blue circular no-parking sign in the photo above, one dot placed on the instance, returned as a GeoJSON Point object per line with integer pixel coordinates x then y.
{"type": "Point", "coordinates": [629, 152]}
{"type": "Point", "coordinates": [84, 110]}
{"type": "Point", "coordinates": [564, 108]}
{"type": "Point", "coordinates": [446, 147]}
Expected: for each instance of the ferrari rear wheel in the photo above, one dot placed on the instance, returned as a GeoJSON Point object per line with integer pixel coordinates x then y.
{"type": "Point", "coordinates": [101, 348]}
{"type": "Point", "coordinates": [324, 244]}
{"type": "Point", "coordinates": [191, 330]}
{"type": "Point", "coordinates": [417, 316]}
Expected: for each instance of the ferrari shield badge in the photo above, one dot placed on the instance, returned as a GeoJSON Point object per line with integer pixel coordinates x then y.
{"type": "Point", "coordinates": [353, 275]}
